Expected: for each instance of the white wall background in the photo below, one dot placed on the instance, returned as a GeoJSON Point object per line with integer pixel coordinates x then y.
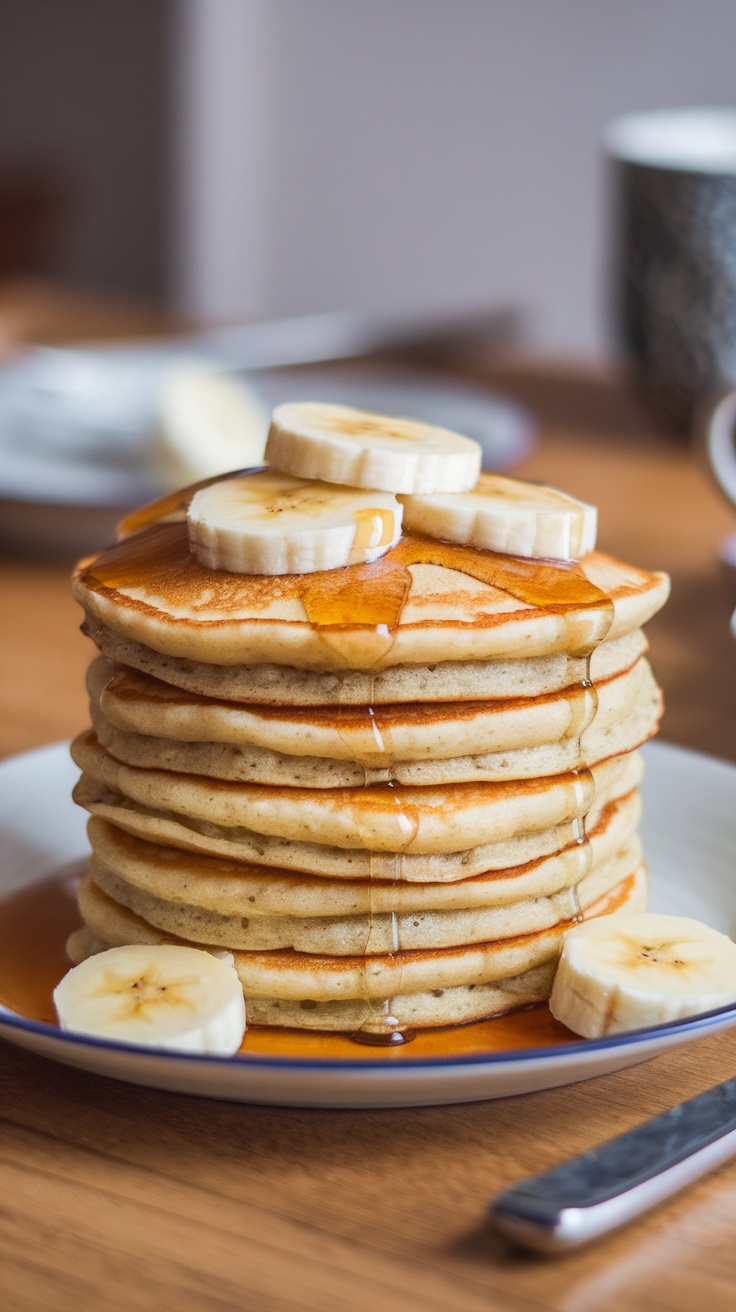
{"type": "Point", "coordinates": [403, 154]}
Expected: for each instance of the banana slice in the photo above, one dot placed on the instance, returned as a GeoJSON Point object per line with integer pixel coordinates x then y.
{"type": "Point", "coordinates": [506, 515]}
{"type": "Point", "coordinates": [209, 423]}
{"type": "Point", "coordinates": [635, 969]}
{"type": "Point", "coordinates": [268, 523]}
{"type": "Point", "coordinates": [340, 445]}
{"type": "Point", "coordinates": [177, 998]}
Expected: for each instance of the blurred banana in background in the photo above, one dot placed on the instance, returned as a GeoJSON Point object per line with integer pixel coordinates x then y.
{"type": "Point", "coordinates": [209, 422]}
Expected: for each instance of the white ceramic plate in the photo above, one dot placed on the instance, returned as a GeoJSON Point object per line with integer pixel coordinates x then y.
{"type": "Point", "coordinates": [689, 836]}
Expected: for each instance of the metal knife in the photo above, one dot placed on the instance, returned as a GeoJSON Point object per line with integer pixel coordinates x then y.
{"type": "Point", "coordinates": [602, 1189]}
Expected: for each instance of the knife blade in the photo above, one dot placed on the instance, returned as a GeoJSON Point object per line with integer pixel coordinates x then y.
{"type": "Point", "coordinates": [602, 1189]}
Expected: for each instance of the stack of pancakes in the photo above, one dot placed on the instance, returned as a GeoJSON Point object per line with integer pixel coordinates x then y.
{"type": "Point", "coordinates": [389, 811]}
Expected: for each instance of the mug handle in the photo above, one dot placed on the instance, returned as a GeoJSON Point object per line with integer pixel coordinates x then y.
{"type": "Point", "coordinates": [719, 443]}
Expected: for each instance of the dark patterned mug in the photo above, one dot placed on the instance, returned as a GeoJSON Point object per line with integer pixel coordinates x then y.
{"type": "Point", "coordinates": [720, 441]}
{"type": "Point", "coordinates": [675, 260]}
{"type": "Point", "coordinates": [720, 436]}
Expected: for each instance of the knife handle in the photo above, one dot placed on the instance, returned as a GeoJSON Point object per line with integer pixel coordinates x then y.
{"type": "Point", "coordinates": [602, 1189]}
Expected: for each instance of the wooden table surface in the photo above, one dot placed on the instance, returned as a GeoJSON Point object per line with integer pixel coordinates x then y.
{"type": "Point", "coordinates": [114, 1197]}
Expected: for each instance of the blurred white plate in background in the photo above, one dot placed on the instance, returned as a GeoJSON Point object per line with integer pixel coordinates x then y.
{"type": "Point", "coordinates": [77, 427]}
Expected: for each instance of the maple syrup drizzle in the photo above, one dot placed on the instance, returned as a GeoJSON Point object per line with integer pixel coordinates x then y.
{"type": "Point", "coordinates": [154, 555]}
{"type": "Point", "coordinates": [380, 1027]}
{"type": "Point", "coordinates": [372, 595]}
{"type": "Point", "coordinates": [368, 598]}
{"type": "Point", "coordinates": [579, 826]}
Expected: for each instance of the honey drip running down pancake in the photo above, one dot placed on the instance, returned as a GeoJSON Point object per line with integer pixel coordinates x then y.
{"type": "Point", "coordinates": [357, 618]}
{"type": "Point", "coordinates": [386, 788]}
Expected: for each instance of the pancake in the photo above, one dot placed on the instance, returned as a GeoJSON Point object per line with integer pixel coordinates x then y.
{"type": "Point", "coordinates": [612, 779]}
{"type": "Point", "coordinates": [379, 818]}
{"type": "Point", "coordinates": [438, 1007]}
{"type": "Point", "coordinates": [373, 737]}
{"type": "Point", "coordinates": [629, 707]}
{"type": "Point", "coordinates": [372, 932]}
{"type": "Point", "coordinates": [447, 680]}
{"type": "Point", "coordinates": [426, 1010]}
{"type": "Point", "coordinates": [418, 600]}
{"type": "Point", "coordinates": [429, 987]}
{"type": "Point", "coordinates": [233, 888]}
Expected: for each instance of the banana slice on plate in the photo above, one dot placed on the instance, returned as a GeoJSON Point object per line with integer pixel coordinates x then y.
{"type": "Point", "coordinates": [337, 444]}
{"type": "Point", "coordinates": [159, 996]}
{"type": "Point", "coordinates": [270, 523]}
{"type": "Point", "coordinates": [635, 969]}
{"type": "Point", "coordinates": [506, 515]}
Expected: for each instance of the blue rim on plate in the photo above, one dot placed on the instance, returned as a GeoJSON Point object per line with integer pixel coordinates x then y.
{"type": "Point", "coordinates": [8, 1018]}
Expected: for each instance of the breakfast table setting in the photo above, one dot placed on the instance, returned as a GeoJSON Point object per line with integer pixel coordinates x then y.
{"type": "Point", "coordinates": [119, 1195]}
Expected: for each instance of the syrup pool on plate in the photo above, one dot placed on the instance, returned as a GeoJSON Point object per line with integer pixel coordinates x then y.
{"type": "Point", "coordinates": [36, 922]}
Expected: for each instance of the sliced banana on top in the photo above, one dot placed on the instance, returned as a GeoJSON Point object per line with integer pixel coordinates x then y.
{"type": "Point", "coordinates": [506, 515]}
{"type": "Point", "coordinates": [631, 970]}
{"type": "Point", "coordinates": [271, 523]}
{"type": "Point", "coordinates": [337, 444]}
{"type": "Point", "coordinates": [160, 996]}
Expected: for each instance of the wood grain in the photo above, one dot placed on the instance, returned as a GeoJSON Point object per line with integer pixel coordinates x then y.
{"type": "Point", "coordinates": [113, 1197]}
{"type": "Point", "coordinates": [43, 657]}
